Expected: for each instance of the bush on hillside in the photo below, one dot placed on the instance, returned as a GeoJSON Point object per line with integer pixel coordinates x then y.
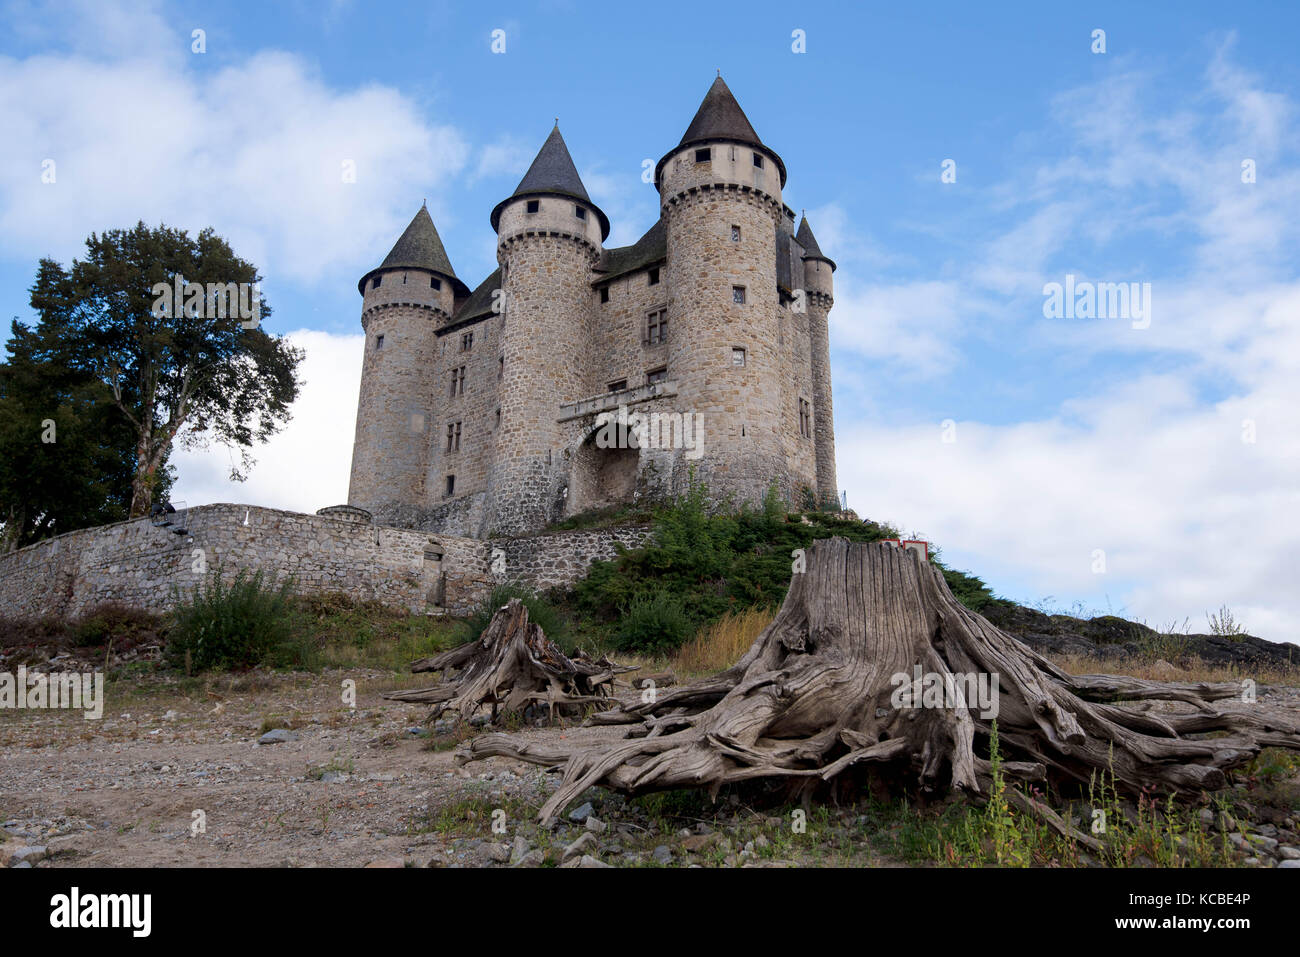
{"type": "Point", "coordinates": [236, 624]}
{"type": "Point", "coordinates": [710, 563]}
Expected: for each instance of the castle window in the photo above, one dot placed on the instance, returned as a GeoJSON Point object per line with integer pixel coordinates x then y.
{"type": "Point", "coordinates": [466, 341]}
{"type": "Point", "coordinates": [374, 283]}
{"type": "Point", "coordinates": [735, 234]}
{"type": "Point", "coordinates": [501, 366]}
{"type": "Point", "coordinates": [656, 327]}
{"type": "Point", "coordinates": [805, 419]}
{"type": "Point", "coordinates": [498, 418]}
{"type": "Point", "coordinates": [704, 155]}
{"type": "Point", "coordinates": [604, 294]}
{"type": "Point", "coordinates": [737, 356]}
{"type": "Point", "coordinates": [618, 386]}
{"type": "Point", "coordinates": [656, 375]}
{"type": "Point", "coordinates": [758, 161]}
{"type": "Point", "coordinates": [534, 205]}
{"type": "Point", "coordinates": [435, 282]}
{"type": "Point", "coordinates": [453, 436]}
{"type": "Point", "coordinates": [738, 295]}
{"type": "Point", "coordinates": [403, 279]}
{"type": "Point", "coordinates": [458, 381]}
{"type": "Point", "coordinates": [379, 341]}
{"type": "Point", "coordinates": [451, 484]}
{"type": "Point", "coordinates": [579, 212]}
{"type": "Point", "coordinates": [654, 277]}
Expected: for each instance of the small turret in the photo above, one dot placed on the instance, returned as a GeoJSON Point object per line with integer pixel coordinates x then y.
{"type": "Point", "coordinates": [820, 289]}
{"type": "Point", "coordinates": [404, 299]}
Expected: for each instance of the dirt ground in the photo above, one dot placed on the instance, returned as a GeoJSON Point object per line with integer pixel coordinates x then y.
{"type": "Point", "coordinates": [174, 775]}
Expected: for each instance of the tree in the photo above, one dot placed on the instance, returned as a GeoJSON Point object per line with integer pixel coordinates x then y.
{"type": "Point", "coordinates": [66, 456]}
{"type": "Point", "coordinates": [169, 325]}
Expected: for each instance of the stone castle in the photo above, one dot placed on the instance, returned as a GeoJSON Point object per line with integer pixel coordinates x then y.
{"type": "Point", "coordinates": [577, 377]}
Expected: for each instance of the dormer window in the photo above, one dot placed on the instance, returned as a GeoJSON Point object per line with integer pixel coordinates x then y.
{"type": "Point", "coordinates": [703, 156]}
{"type": "Point", "coordinates": [534, 205]}
{"type": "Point", "coordinates": [579, 212]}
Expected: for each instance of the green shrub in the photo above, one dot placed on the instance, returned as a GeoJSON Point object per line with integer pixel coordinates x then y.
{"type": "Point", "coordinates": [239, 624]}
{"type": "Point", "coordinates": [654, 624]}
{"type": "Point", "coordinates": [710, 561]}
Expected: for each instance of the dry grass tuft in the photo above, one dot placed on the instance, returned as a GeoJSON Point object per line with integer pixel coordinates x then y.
{"type": "Point", "coordinates": [720, 645]}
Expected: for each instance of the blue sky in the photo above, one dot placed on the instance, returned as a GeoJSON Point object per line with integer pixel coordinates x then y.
{"type": "Point", "coordinates": [1071, 437]}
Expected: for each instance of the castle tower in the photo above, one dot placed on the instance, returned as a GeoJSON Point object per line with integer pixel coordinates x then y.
{"type": "Point", "coordinates": [820, 290]}
{"type": "Point", "coordinates": [549, 236]}
{"type": "Point", "coordinates": [403, 301]}
{"type": "Point", "coordinates": [720, 194]}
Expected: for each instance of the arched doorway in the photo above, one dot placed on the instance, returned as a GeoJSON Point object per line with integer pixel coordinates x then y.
{"type": "Point", "coordinates": [604, 471]}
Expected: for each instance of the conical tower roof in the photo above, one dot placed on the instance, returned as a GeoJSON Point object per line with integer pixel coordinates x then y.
{"type": "Point", "coordinates": [720, 118]}
{"type": "Point", "coordinates": [420, 247]}
{"type": "Point", "coordinates": [805, 238]}
{"type": "Point", "coordinates": [552, 174]}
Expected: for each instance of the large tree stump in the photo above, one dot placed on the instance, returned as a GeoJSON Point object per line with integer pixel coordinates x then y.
{"type": "Point", "coordinates": [510, 666]}
{"type": "Point", "coordinates": [817, 695]}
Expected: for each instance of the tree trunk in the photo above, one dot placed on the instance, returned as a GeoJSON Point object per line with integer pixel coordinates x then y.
{"type": "Point", "coordinates": [872, 660]}
{"type": "Point", "coordinates": [513, 665]}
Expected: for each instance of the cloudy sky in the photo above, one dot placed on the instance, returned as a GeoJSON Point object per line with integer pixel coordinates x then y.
{"type": "Point", "coordinates": [1148, 468]}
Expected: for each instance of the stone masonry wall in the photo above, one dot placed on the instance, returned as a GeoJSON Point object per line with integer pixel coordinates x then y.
{"type": "Point", "coordinates": [138, 564]}
{"type": "Point", "coordinates": [560, 559]}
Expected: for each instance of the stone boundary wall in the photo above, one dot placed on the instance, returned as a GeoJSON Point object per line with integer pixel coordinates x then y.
{"type": "Point", "coordinates": [138, 564]}
{"type": "Point", "coordinates": [559, 559]}
{"type": "Point", "coordinates": [141, 565]}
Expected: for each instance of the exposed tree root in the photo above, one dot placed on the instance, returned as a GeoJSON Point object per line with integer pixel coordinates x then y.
{"type": "Point", "coordinates": [819, 692]}
{"type": "Point", "coordinates": [513, 665]}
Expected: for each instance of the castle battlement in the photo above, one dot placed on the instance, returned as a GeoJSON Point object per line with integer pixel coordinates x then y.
{"type": "Point", "coordinates": [488, 411]}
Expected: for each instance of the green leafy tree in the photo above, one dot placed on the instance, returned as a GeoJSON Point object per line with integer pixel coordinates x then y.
{"type": "Point", "coordinates": [66, 453]}
{"type": "Point", "coordinates": [154, 316]}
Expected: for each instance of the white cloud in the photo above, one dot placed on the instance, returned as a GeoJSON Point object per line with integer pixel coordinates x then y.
{"type": "Point", "coordinates": [149, 135]}
{"type": "Point", "coordinates": [1152, 469]}
{"type": "Point", "coordinates": [307, 465]}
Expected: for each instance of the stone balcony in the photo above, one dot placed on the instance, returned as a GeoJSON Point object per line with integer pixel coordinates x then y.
{"type": "Point", "coordinates": [610, 401]}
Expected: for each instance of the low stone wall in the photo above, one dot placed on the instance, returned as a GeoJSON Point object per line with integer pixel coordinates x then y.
{"type": "Point", "coordinates": [138, 564]}
{"type": "Point", "coordinates": [559, 559]}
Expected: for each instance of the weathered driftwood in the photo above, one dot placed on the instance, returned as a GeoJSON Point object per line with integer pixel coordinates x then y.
{"type": "Point", "coordinates": [512, 665]}
{"type": "Point", "coordinates": [815, 695]}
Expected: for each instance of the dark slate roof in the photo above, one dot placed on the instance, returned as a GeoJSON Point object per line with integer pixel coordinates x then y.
{"type": "Point", "coordinates": [646, 251]}
{"type": "Point", "coordinates": [720, 118]}
{"type": "Point", "coordinates": [552, 174]}
{"type": "Point", "coordinates": [479, 302]}
{"type": "Point", "coordinates": [420, 247]}
{"type": "Point", "coordinates": [808, 241]}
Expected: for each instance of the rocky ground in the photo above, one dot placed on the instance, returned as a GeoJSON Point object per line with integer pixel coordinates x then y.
{"type": "Point", "coordinates": [273, 770]}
